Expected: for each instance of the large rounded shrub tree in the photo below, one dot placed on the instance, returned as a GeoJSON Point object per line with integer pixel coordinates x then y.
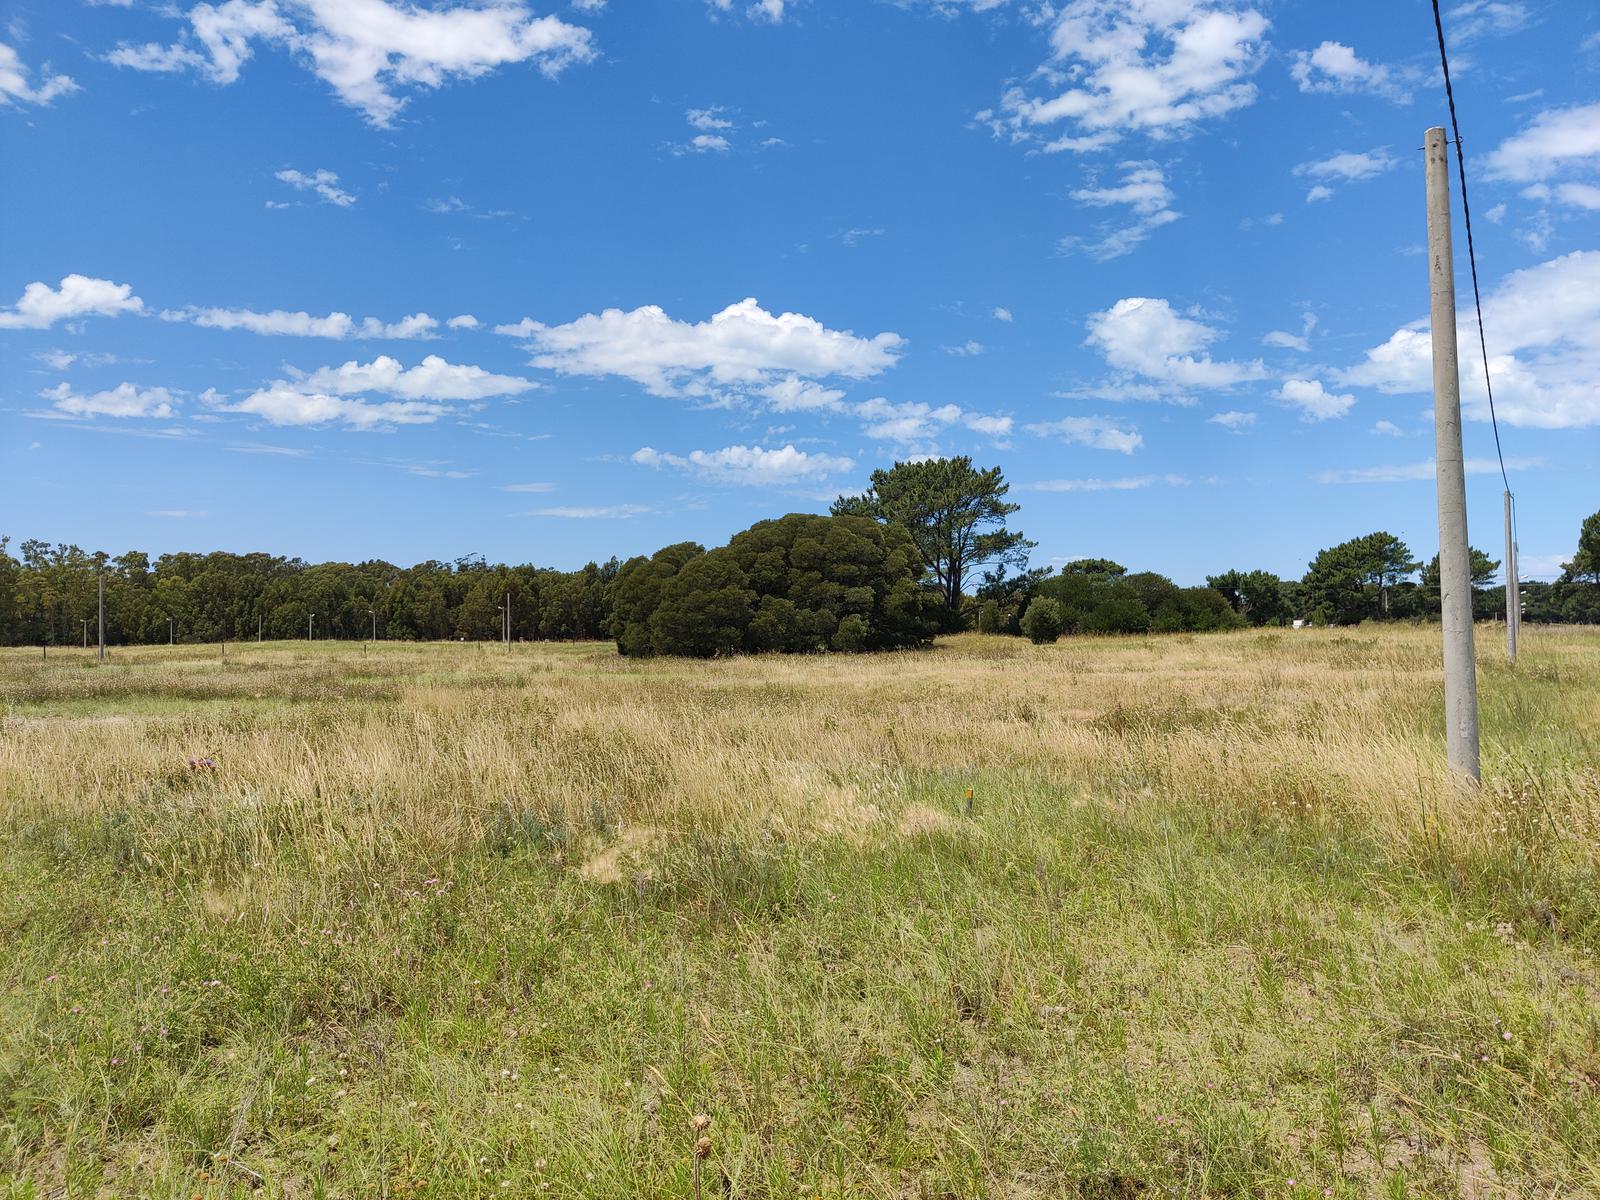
{"type": "Point", "coordinates": [795, 584]}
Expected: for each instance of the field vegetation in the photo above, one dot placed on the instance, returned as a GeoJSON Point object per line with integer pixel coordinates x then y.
{"type": "Point", "coordinates": [1106, 917]}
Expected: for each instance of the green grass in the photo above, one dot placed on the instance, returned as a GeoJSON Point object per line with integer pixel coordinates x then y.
{"type": "Point", "coordinates": [1059, 989]}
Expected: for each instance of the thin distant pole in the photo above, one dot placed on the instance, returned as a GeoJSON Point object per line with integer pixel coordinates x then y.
{"type": "Point", "coordinates": [102, 580]}
{"type": "Point", "coordinates": [1455, 570]}
{"type": "Point", "coordinates": [1511, 587]}
{"type": "Point", "coordinates": [310, 618]}
{"type": "Point", "coordinates": [258, 629]}
{"type": "Point", "coordinates": [171, 640]}
{"type": "Point", "coordinates": [86, 633]}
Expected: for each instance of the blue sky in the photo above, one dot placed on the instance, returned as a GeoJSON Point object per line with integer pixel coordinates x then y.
{"type": "Point", "coordinates": [369, 278]}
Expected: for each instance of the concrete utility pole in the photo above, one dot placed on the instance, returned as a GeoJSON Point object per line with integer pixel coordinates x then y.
{"type": "Point", "coordinates": [1513, 613]}
{"type": "Point", "coordinates": [310, 621]}
{"type": "Point", "coordinates": [1455, 568]}
{"type": "Point", "coordinates": [86, 633]}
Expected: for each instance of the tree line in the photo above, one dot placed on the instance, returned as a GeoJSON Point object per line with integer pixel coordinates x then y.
{"type": "Point", "coordinates": [927, 548]}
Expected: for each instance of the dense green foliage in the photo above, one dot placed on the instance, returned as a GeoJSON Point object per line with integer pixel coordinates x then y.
{"type": "Point", "coordinates": [1044, 621]}
{"type": "Point", "coordinates": [955, 513]}
{"type": "Point", "coordinates": [47, 595]}
{"type": "Point", "coordinates": [795, 584]}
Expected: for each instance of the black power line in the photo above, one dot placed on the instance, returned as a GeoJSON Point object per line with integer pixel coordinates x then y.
{"type": "Point", "coordinates": [1472, 258]}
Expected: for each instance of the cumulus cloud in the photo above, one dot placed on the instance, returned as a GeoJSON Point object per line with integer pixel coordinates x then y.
{"type": "Point", "coordinates": [464, 321]}
{"type": "Point", "coordinates": [14, 85]}
{"type": "Point", "coordinates": [1335, 68]}
{"type": "Point", "coordinates": [1544, 342]}
{"type": "Point", "coordinates": [743, 348]}
{"type": "Point", "coordinates": [124, 400]}
{"type": "Point", "coordinates": [1556, 142]}
{"type": "Point", "coordinates": [1157, 67]}
{"type": "Point", "coordinates": [913, 423]}
{"type": "Point", "coordinates": [1002, 314]}
{"type": "Point", "coordinates": [431, 379]}
{"type": "Point", "coordinates": [1160, 354]}
{"type": "Point", "coordinates": [793, 394]}
{"type": "Point", "coordinates": [1098, 433]}
{"type": "Point", "coordinates": [337, 326]}
{"type": "Point", "coordinates": [324, 183]}
{"type": "Point", "coordinates": [1143, 189]}
{"type": "Point", "coordinates": [1232, 420]}
{"type": "Point", "coordinates": [368, 51]}
{"type": "Point", "coordinates": [336, 394]}
{"type": "Point", "coordinates": [1313, 400]}
{"type": "Point", "coordinates": [749, 465]}
{"type": "Point", "coordinates": [41, 305]}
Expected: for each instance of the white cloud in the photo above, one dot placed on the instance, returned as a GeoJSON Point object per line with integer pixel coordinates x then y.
{"type": "Point", "coordinates": [1285, 340]}
{"type": "Point", "coordinates": [1543, 326]}
{"type": "Point", "coordinates": [1098, 433]}
{"type": "Point", "coordinates": [1157, 67]}
{"type": "Point", "coordinates": [1388, 429]}
{"type": "Point", "coordinates": [1145, 338]}
{"type": "Point", "coordinates": [851, 237]}
{"type": "Point", "coordinates": [1558, 139]}
{"type": "Point", "coordinates": [1126, 483]}
{"type": "Point", "coordinates": [1002, 314]}
{"type": "Point", "coordinates": [464, 321]}
{"type": "Point", "coordinates": [704, 143]}
{"type": "Point", "coordinates": [1578, 195]}
{"type": "Point", "coordinates": [368, 50]}
{"type": "Point", "coordinates": [967, 349]}
{"type": "Point", "coordinates": [1409, 472]}
{"type": "Point", "coordinates": [793, 394]}
{"type": "Point", "coordinates": [1313, 400]}
{"type": "Point", "coordinates": [743, 347]}
{"type": "Point", "coordinates": [431, 379]}
{"type": "Point", "coordinates": [423, 392]}
{"type": "Point", "coordinates": [124, 400]}
{"type": "Point", "coordinates": [913, 423]}
{"type": "Point", "coordinates": [758, 10]}
{"type": "Point", "coordinates": [1345, 167]}
{"type": "Point", "coordinates": [749, 465]}
{"type": "Point", "coordinates": [1335, 68]}
{"type": "Point", "coordinates": [323, 183]}
{"type": "Point", "coordinates": [1232, 420]}
{"type": "Point", "coordinates": [597, 512]}
{"type": "Point", "coordinates": [285, 404]}
{"type": "Point", "coordinates": [1478, 19]}
{"type": "Point", "coordinates": [337, 326]}
{"type": "Point", "coordinates": [709, 120]}
{"type": "Point", "coordinates": [41, 305]}
{"type": "Point", "coordinates": [14, 85]}
{"type": "Point", "coordinates": [1144, 190]}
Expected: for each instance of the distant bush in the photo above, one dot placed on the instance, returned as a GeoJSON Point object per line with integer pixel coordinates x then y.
{"type": "Point", "coordinates": [989, 617]}
{"type": "Point", "coordinates": [1044, 620]}
{"type": "Point", "coordinates": [796, 584]}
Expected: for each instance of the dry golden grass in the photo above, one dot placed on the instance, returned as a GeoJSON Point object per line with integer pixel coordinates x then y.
{"type": "Point", "coordinates": [450, 921]}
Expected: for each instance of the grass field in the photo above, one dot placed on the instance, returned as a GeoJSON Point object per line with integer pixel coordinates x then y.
{"type": "Point", "coordinates": [455, 921]}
